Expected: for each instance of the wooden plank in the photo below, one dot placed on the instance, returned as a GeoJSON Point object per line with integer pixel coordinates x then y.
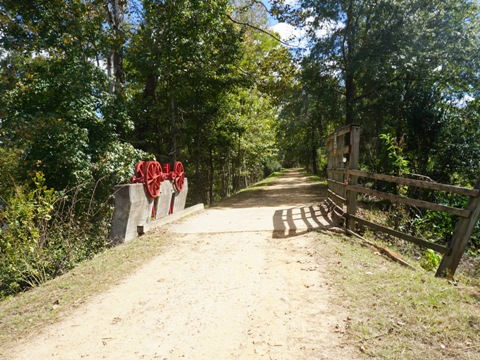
{"type": "Point", "coordinates": [337, 212]}
{"type": "Point", "coordinates": [337, 186]}
{"type": "Point", "coordinates": [353, 165]}
{"type": "Point", "coordinates": [461, 236]}
{"type": "Point", "coordinates": [422, 242]}
{"type": "Point", "coordinates": [408, 201]}
{"type": "Point", "coordinates": [339, 199]}
{"type": "Point", "coordinates": [337, 170]}
{"type": "Point", "coordinates": [342, 131]}
{"type": "Point", "coordinates": [336, 182]}
{"type": "Point", "coordinates": [384, 251]}
{"type": "Point", "coordinates": [418, 183]}
{"type": "Point", "coordinates": [336, 207]}
{"type": "Point", "coordinates": [343, 150]}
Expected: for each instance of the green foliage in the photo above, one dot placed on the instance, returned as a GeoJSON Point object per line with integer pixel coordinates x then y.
{"type": "Point", "coordinates": [397, 164]}
{"type": "Point", "coordinates": [10, 168]}
{"type": "Point", "coordinates": [81, 81]}
{"type": "Point", "coordinates": [24, 220]}
{"type": "Point", "coordinates": [84, 85]}
{"type": "Point", "coordinates": [45, 233]}
{"type": "Point", "coordinates": [430, 260]}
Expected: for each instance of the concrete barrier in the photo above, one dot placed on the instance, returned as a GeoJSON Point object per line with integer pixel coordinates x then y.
{"type": "Point", "coordinates": [133, 209]}
{"type": "Point", "coordinates": [164, 200]}
{"type": "Point", "coordinates": [151, 225]}
{"type": "Point", "coordinates": [180, 198]}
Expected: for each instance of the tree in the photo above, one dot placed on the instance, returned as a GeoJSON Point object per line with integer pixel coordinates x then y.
{"type": "Point", "coordinates": [400, 67]}
{"type": "Point", "coordinates": [370, 44]}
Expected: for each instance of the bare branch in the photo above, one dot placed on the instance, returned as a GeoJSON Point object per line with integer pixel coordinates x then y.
{"type": "Point", "coordinates": [261, 30]}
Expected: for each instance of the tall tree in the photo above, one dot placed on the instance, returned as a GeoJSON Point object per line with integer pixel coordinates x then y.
{"type": "Point", "coordinates": [115, 14]}
{"type": "Point", "coordinates": [371, 44]}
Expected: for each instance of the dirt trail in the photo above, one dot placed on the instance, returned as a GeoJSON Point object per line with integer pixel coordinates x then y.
{"type": "Point", "coordinates": [244, 280]}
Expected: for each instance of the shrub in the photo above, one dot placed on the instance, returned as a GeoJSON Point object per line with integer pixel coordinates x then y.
{"type": "Point", "coordinates": [24, 220]}
{"type": "Point", "coordinates": [44, 233]}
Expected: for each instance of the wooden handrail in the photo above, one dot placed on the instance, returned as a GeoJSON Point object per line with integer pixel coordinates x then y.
{"type": "Point", "coordinates": [409, 201]}
{"type": "Point", "coordinates": [418, 183]}
{"type": "Point", "coordinates": [422, 242]}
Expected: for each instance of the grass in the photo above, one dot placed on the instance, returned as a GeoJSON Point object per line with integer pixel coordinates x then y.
{"type": "Point", "coordinates": [399, 313]}
{"type": "Point", "coordinates": [28, 312]}
{"type": "Point", "coordinates": [316, 179]}
{"type": "Point", "coordinates": [270, 179]}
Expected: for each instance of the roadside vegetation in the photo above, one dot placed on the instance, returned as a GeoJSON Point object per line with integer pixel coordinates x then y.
{"type": "Point", "coordinates": [88, 88]}
{"type": "Point", "coordinates": [400, 313]}
{"type": "Point", "coordinates": [26, 313]}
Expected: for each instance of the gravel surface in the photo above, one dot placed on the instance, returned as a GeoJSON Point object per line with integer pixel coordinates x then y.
{"type": "Point", "coordinates": [245, 280]}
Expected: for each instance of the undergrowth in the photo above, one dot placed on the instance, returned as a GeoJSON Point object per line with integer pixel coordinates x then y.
{"type": "Point", "coordinates": [44, 233]}
{"type": "Point", "coordinates": [27, 312]}
{"type": "Point", "coordinates": [399, 313]}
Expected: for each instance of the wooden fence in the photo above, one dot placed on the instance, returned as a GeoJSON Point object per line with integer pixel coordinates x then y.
{"type": "Point", "coordinates": [343, 187]}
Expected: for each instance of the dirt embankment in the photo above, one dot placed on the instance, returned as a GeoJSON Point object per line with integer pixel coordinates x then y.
{"type": "Point", "coordinates": [244, 280]}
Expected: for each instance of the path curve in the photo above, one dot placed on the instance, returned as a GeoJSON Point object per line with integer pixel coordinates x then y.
{"type": "Point", "coordinates": [244, 280]}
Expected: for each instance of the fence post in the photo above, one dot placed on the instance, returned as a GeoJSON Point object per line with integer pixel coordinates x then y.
{"type": "Point", "coordinates": [461, 235]}
{"type": "Point", "coordinates": [353, 164]}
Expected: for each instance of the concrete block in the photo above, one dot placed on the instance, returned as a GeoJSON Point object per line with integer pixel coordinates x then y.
{"type": "Point", "coordinates": [181, 198]}
{"type": "Point", "coordinates": [164, 199]}
{"type": "Point", "coordinates": [132, 207]}
{"type": "Point", "coordinates": [145, 228]}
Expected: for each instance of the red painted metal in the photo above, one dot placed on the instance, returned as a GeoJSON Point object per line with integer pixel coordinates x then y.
{"type": "Point", "coordinates": [179, 172]}
{"type": "Point", "coordinates": [153, 178]}
{"type": "Point", "coordinates": [166, 169]}
{"type": "Point", "coordinates": [139, 173]}
{"type": "Point", "coordinates": [152, 174]}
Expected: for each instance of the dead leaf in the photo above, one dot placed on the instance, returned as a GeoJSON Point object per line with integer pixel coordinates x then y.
{"type": "Point", "coordinates": [116, 320]}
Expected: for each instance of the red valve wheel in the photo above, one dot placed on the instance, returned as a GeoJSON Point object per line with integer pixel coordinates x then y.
{"type": "Point", "coordinates": [179, 178]}
{"type": "Point", "coordinates": [153, 178]}
{"type": "Point", "coordinates": [139, 174]}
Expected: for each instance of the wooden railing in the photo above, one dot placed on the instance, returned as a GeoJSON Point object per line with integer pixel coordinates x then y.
{"type": "Point", "coordinates": [343, 187]}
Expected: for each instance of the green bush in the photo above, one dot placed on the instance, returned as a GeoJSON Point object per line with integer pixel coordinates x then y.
{"type": "Point", "coordinates": [45, 233]}
{"type": "Point", "coordinates": [24, 219]}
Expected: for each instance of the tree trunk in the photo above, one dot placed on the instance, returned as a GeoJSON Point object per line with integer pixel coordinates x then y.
{"type": "Point", "coordinates": [349, 97]}
{"type": "Point", "coordinates": [348, 54]}
{"type": "Point", "coordinates": [197, 165]}
{"type": "Point", "coordinates": [174, 129]}
{"type": "Point", "coordinates": [314, 150]}
{"type": "Point", "coordinates": [211, 178]}
{"type": "Point", "coordinates": [115, 12]}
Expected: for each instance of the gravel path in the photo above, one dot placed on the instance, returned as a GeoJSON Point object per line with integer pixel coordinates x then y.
{"type": "Point", "coordinates": [244, 280]}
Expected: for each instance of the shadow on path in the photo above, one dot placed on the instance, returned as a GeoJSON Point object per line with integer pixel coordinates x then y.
{"type": "Point", "coordinates": [297, 221]}
{"type": "Point", "coordinates": [291, 205]}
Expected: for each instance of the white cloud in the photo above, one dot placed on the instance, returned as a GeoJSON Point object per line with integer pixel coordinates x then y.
{"type": "Point", "coordinates": [290, 34]}
{"type": "Point", "coordinates": [297, 37]}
